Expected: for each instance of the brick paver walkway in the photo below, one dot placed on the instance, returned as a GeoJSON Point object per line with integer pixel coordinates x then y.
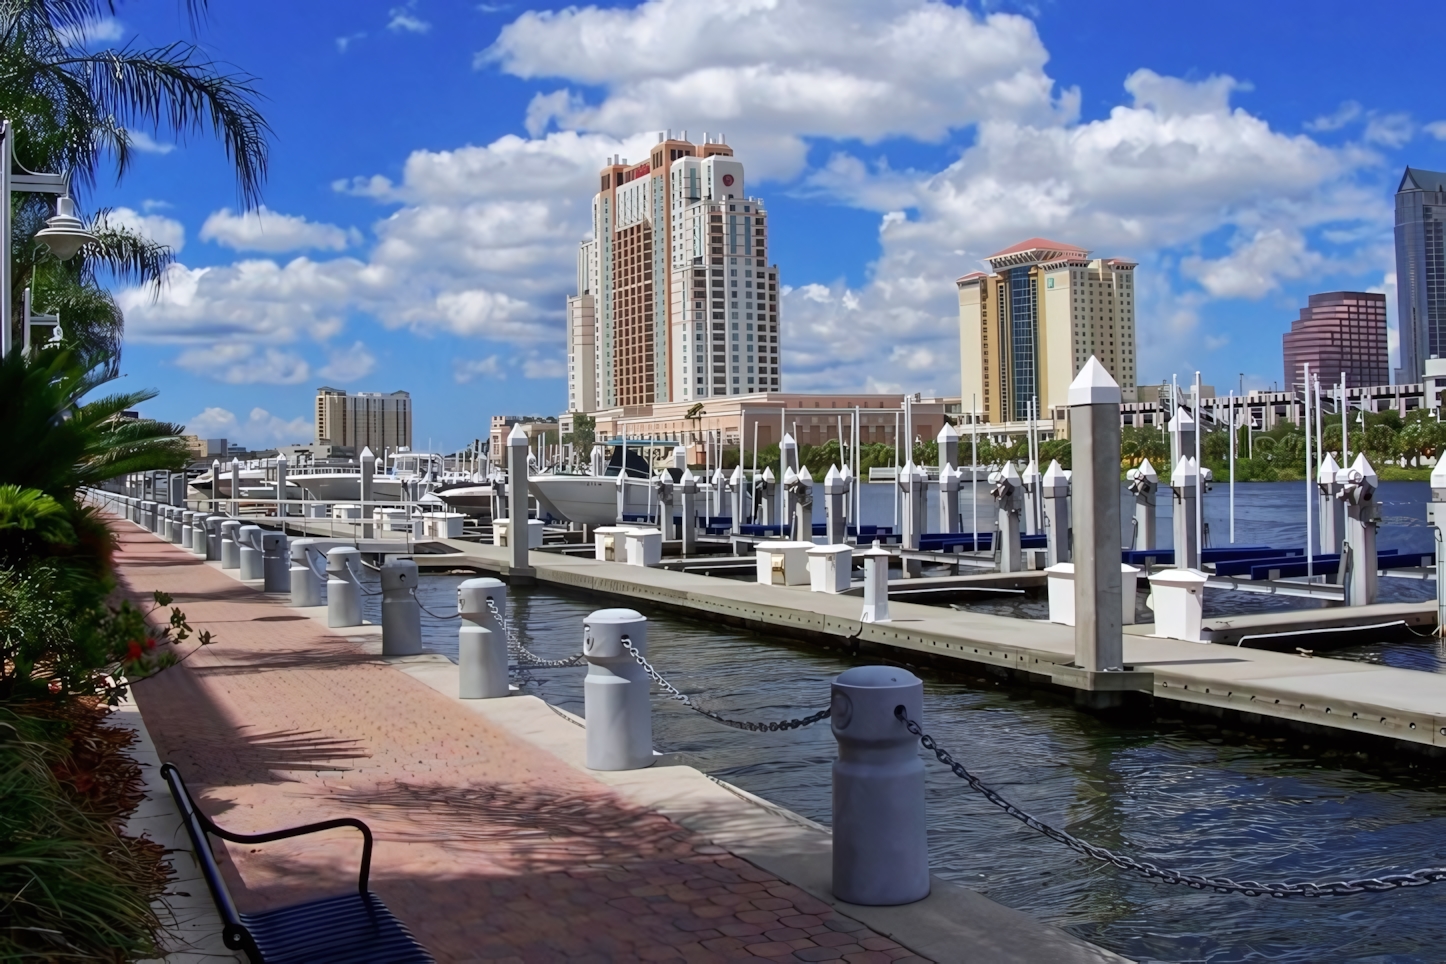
{"type": "Point", "coordinates": [489, 849]}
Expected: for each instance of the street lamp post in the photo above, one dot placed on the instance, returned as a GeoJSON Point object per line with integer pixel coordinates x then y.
{"type": "Point", "coordinates": [63, 234]}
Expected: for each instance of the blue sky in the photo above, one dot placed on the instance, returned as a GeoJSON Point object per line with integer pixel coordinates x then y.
{"type": "Point", "coordinates": [433, 164]}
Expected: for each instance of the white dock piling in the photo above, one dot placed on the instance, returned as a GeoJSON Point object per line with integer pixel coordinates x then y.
{"type": "Point", "coordinates": [1363, 515]}
{"type": "Point", "coordinates": [1054, 488]}
{"type": "Point", "coordinates": [1185, 482]}
{"type": "Point", "coordinates": [835, 527]}
{"type": "Point", "coordinates": [1144, 484]}
{"type": "Point", "coordinates": [949, 483]}
{"type": "Point", "coordinates": [1332, 509]}
{"type": "Point", "coordinates": [1008, 495]}
{"type": "Point", "coordinates": [517, 499]}
{"type": "Point", "coordinates": [1094, 423]}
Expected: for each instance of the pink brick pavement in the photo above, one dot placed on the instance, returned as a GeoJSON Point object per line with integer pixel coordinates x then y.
{"type": "Point", "coordinates": [489, 849]}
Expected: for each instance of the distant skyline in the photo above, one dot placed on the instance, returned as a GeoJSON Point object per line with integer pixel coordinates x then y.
{"type": "Point", "coordinates": [434, 165]}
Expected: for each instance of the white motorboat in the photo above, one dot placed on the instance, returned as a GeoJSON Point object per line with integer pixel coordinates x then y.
{"type": "Point", "coordinates": [469, 498]}
{"type": "Point", "coordinates": [590, 499]}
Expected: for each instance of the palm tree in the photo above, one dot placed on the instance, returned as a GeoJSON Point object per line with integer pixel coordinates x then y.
{"type": "Point", "coordinates": [73, 110]}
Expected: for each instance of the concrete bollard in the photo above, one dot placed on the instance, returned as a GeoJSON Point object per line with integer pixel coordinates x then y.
{"type": "Point", "coordinates": [1332, 509]}
{"type": "Point", "coordinates": [401, 613]}
{"type": "Point", "coordinates": [1363, 515]}
{"type": "Point", "coordinates": [230, 549]}
{"type": "Point", "coordinates": [307, 587]}
{"type": "Point", "coordinates": [876, 584]}
{"type": "Point", "coordinates": [275, 562]}
{"type": "Point", "coordinates": [147, 515]}
{"type": "Point", "coordinates": [200, 537]}
{"type": "Point", "coordinates": [1008, 495]}
{"type": "Point", "coordinates": [1144, 484]}
{"type": "Point", "coordinates": [880, 837]}
{"type": "Point", "coordinates": [615, 692]}
{"type": "Point", "coordinates": [1185, 481]}
{"type": "Point", "coordinates": [249, 552]}
{"type": "Point", "coordinates": [213, 536]}
{"type": "Point", "coordinates": [186, 516]}
{"type": "Point", "coordinates": [481, 640]}
{"type": "Point", "coordinates": [835, 527]}
{"type": "Point", "coordinates": [688, 501]}
{"type": "Point", "coordinates": [1054, 489]}
{"type": "Point", "coordinates": [343, 595]}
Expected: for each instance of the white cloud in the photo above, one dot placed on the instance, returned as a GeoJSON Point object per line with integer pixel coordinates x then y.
{"type": "Point", "coordinates": [241, 364]}
{"type": "Point", "coordinates": [92, 32]}
{"type": "Point", "coordinates": [464, 371]}
{"type": "Point", "coordinates": [1436, 129]}
{"type": "Point", "coordinates": [1256, 265]}
{"type": "Point", "coordinates": [348, 364]}
{"type": "Point", "coordinates": [1389, 130]}
{"type": "Point", "coordinates": [260, 430]}
{"type": "Point", "coordinates": [265, 230]}
{"type": "Point", "coordinates": [404, 19]}
{"type": "Point", "coordinates": [146, 144]}
{"type": "Point", "coordinates": [342, 43]}
{"type": "Point", "coordinates": [1343, 115]}
{"type": "Point", "coordinates": [157, 227]}
{"type": "Point", "coordinates": [535, 367]}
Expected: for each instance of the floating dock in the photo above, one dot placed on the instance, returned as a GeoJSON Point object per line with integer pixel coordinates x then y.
{"type": "Point", "coordinates": [1358, 700]}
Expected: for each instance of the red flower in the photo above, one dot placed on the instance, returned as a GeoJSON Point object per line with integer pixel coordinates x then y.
{"type": "Point", "coordinates": [150, 644]}
{"type": "Point", "coordinates": [133, 650]}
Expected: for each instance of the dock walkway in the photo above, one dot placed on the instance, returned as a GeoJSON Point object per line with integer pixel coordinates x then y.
{"type": "Point", "coordinates": [1404, 706]}
{"type": "Point", "coordinates": [493, 843]}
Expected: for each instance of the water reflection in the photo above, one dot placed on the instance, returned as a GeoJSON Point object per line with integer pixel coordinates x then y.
{"type": "Point", "coordinates": [1197, 798]}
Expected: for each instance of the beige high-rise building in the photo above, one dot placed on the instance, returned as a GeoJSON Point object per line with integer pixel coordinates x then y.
{"type": "Point", "coordinates": [1028, 327]}
{"type": "Point", "coordinates": [364, 420]}
{"type": "Point", "coordinates": [676, 299]}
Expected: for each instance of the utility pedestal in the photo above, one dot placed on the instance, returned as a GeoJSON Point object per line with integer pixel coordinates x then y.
{"type": "Point", "coordinates": [1144, 485]}
{"type": "Point", "coordinates": [1094, 428]}
{"type": "Point", "coordinates": [835, 528]}
{"type": "Point", "coordinates": [615, 692]}
{"type": "Point", "coordinates": [1185, 481]}
{"type": "Point", "coordinates": [1363, 515]}
{"type": "Point", "coordinates": [880, 840]}
{"type": "Point", "coordinates": [876, 584]}
{"type": "Point", "coordinates": [1054, 487]}
{"type": "Point", "coordinates": [1179, 603]}
{"type": "Point", "coordinates": [1008, 495]}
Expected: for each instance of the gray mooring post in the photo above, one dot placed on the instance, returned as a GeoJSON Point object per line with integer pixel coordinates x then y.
{"type": "Point", "coordinates": [948, 439]}
{"type": "Point", "coordinates": [803, 506]}
{"type": "Point", "coordinates": [306, 583]}
{"type": "Point", "coordinates": [911, 486]}
{"type": "Point", "coordinates": [481, 640]}
{"type": "Point", "coordinates": [213, 536]}
{"type": "Point", "coordinates": [1182, 436]}
{"type": "Point", "coordinates": [1030, 482]}
{"type": "Point", "coordinates": [275, 562]}
{"type": "Point", "coordinates": [880, 839]}
{"type": "Point", "coordinates": [1436, 518]}
{"type": "Point", "coordinates": [688, 503]}
{"type": "Point", "coordinates": [281, 487]}
{"type": "Point", "coordinates": [876, 584]}
{"type": "Point", "coordinates": [247, 539]}
{"type": "Point", "coordinates": [835, 528]}
{"type": "Point", "coordinates": [735, 488]}
{"type": "Point", "coordinates": [178, 489]}
{"type": "Point", "coordinates": [1094, 428]}
{"type": "Point", "coordinates": [186, 516]}
{"type": "Point", "coordinates": [230, 549]}
{"type": "Point", "coordinates": [1009, 497]}
{"type": "Point", "coordinates": [615, 691]}
{"type": "Point", "coordinates": [215, 485]}
{"type": "Point", "coordinates": [664, 486]}
{"type": "Point", "coordinates": [1332, 509]}
{"type": "Point", "coordinates": [787, 453]}
{"type": "Point", "coordinates": [517, 534]}
{"type": "Point", "coordinates": [1144, 485]}
{"type": "Point", "coordinates": [1363, 514]}
{"type": "Point", "coordinates": [1185, 481]}
{"type": "Point", "coordinates": [368, 469]}
{"type": "Point", "coordinates": [949, 480]}
{"type": "Point", "coordinates": [235, 487]}
{"type": "Point", "coordinates": [715, 493]}
{"type": "Point", "coordinates": [401, 613]}
{"type": "Point", "coordinates": [1054, 486]}
{"type": "Point", "coordinates": [769, 490]}
{"type": "Point", "coordinates": [173, 526]}
{"type": "Point", "coordinates": [787, 497]}
{"type": "Point", "coordinates": [343, 595]}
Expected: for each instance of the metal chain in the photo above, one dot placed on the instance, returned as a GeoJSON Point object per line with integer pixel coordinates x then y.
{"type": "Point", "coordinates": [1223, 885]}
{"type": "Point", "coordinates": [752, 727]}
{"type": "Point", "coordinates": [520, 652]}
{"type": "Point", "coordinates": [456, 615]}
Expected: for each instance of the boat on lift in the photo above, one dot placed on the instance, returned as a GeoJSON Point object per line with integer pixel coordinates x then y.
{"type": "Point", "coordinates": [592, 498]}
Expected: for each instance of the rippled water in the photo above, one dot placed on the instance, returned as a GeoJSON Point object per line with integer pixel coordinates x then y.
{"type": "Point", "coordinates": [1193, 797]}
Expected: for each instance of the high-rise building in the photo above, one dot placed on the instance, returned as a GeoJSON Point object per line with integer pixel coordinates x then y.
{"type": "Point", "coordinates": [1028, 327]}
{"type": "Point", "coordinates": [1420, 270]}
{"type": "Point", "coordinates": [676, 299]}
{"type": "Point", "coordinates": [364, 420]}
{"type": "Point", "coordinates": [1339, 331]}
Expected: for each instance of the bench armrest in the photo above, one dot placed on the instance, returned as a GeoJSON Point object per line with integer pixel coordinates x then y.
{"type": "Point", "coordinates": [178, 789]}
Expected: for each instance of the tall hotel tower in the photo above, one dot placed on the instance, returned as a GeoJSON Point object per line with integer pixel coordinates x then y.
{"type": "Point", "coordinates": [676, 299]}
{"type": "Point", "coordinates": [1027, 328]}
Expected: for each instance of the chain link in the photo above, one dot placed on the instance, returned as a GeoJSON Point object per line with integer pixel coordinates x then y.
{"type": "Point", "coordinates": [456, 615]}
{"type": "Point", "coordinates": [520, 652]}
{"type": "Point", "coordinates": [673, 693]}
{"type": "Point", "coordinates": [1223, 885]}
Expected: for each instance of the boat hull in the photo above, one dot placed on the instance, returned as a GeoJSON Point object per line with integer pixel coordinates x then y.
{"type": "Point", "coordinates": [589, 499]}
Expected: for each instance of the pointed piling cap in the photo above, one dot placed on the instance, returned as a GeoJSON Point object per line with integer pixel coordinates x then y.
{"type": "Point", "coordinates": [718, 475]}
{"type": "Point", "coordinates": [831, 475]}
{"type": "Point", "coordinates": [1362, 469]}
{"type": "Point", "coordinates": [1438, 474]}
{"type": "Point", "coordinates": [875, 550]}
{"type": "Point", "coordinates": [1186, 473]}
{"type": "Point", "coordinates": [1031, 471]}
{"type": "Point", "coordinates": [768, 475]}
{"type": "Point", "coordinates": [736, 479]}
{"type": "Point", "coordinates": [1010, 473]}
{"type": "Point", "coordinates": [947, 472]}
{"type": "Point", "coordinates": [281, 461]}
{"type": "Point", "coordinates": [687, 475]}
{"type": "Point", "coordinates": [516, 436]}
{"type": "Point", "coordinates": [789, 476]}
{"type": "Point", "coordinates": [846, 475]}
{"type": "Point", "coordinates": [787, 441]}
{"type": "Point", "coordinates": [1055, 481]}
{"type": "Point", "coordinates": [1183, 420]}
{"type": "Point", "coordinates": [948, 434]}
{"type": "Point", "coordinates": [1094, 386]}
{"type": "Point", "coordinates": [805, 476]}
{"type": "Point", "coordinates": [367, 453]}
{"type": "Point", "coordinates": [1329, 468]}
{"type": "Point", "coordinates": [1148, 471]}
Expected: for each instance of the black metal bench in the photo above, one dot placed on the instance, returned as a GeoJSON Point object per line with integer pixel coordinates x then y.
{"type": "Point", "coordinates": [350, 929]}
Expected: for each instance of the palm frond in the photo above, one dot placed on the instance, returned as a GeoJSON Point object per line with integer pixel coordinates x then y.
{"type": "Point", "coordinates": [128, 255]}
